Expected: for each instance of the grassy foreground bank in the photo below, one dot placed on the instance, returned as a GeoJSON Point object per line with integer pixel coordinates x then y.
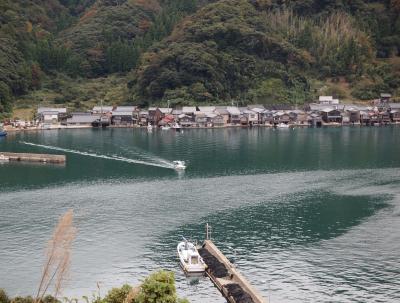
{"type": "Point", "coordinates": [159, 287]}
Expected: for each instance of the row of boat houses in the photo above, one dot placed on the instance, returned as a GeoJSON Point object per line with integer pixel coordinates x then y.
{"type": "Point", "coordinates": [314, 114]}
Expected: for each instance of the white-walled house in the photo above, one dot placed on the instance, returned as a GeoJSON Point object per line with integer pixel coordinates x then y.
{"type": "Point", "coordinates": [328, 100]}
{"type": "Point", "coordinates": [51, 115]}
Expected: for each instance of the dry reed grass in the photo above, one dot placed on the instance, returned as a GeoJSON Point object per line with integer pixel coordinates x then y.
{"type": "Point", "coordinates": [58, 252]}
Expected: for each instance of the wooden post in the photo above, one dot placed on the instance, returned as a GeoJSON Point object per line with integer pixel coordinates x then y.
{"type": "Point", "coordinates": [208, 231]}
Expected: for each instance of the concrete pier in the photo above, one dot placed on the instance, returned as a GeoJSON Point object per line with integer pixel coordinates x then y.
{"type": "Point", "coordinates": [232, 285]}
{"type": "Point", "coordinates": [42, 158]}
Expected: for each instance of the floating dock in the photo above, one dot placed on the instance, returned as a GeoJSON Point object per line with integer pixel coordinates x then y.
{"type": "Point", "coordinates": [232, 285]}
{"type": "Point", "coordinates": [42, 158]}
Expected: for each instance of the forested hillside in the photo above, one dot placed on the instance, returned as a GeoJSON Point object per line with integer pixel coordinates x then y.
{"type": "Point", "coordinates": [76, 52]}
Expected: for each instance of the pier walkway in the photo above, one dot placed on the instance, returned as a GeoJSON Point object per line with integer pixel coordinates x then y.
{"type": "Point", "coordinates": [232, 285]}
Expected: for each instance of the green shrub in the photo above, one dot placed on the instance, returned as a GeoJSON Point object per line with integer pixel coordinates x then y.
{"type": "Point", "coordinates": [28, 299]}
{"type": "Point", "coordinates": [270, 91]}
{"type": "Point", "coordinates": [117, 295]}
{"type": "Point", "coordinates": [368, 89]}
{"type": "Point", "coordinates": [158, 288]}
{"type": "Point", "coordinates": [50, 299]}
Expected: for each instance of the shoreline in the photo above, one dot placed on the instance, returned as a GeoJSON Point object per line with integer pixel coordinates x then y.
{"type": "Point", "coordinates": [326, 125]}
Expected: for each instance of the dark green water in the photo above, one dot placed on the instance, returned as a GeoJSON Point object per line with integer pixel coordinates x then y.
{"type": "Point", "coordinates": [313, 214]}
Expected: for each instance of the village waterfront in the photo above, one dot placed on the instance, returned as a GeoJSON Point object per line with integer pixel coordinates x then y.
{"type": "Point", "coordinates": [326, 111]}
{"type": "Point", "coordinates": [312, 213]}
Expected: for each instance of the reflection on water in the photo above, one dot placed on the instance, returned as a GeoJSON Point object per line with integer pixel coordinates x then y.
{"type": "Point", "coordinates": [298, 219]}
{"type": "Point", "coordinates": [209, 152]}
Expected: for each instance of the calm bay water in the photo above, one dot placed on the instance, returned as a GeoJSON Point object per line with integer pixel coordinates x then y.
{"type": "Point", "coordinates": [313, 214]}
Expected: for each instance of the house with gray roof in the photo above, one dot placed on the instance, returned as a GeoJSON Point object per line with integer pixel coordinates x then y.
{"type": "Point", "coordinates": [58, 110]}
{"type": "Point", "coordinates": [185, 120]}
{"type": "Point", "coordinates": [125, 109]}
{"type": "Point", "coordinates": [200, 119]}
{"type": "Point", "coordinates": [234, 115]}
{"type": "Point", "coordinates": [267, 117]}
{"type": "Point", "coordinates": [328, 100]}
{"type": "Point", "coordinates": [251, 117]}
{"type": "Point", "coordinates": [385, 97]}
{"type": "Point", "coordinates": [82, 119]}
{"type": "Point", "coordinates": [207, 109]}
{"type": "Point", "coordinates": [51, 115]}
{"type": "Point", "coordinates": [223, 112]}
{"type": "Point", "coordinates": [331, 115]}
{"type": "Point", "coordinates": [189, 110]}
{"type": "Point", "coordinates": [124, 115]}
{"type": "Point", "coordinates": [102, 109]}
{"type": "Point", "coordinates": [142, 117]}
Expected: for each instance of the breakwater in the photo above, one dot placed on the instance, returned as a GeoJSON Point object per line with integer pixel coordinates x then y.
{"type": "Point", "coordinates": [29, 157]}
{"type": "Point", "coordinates": [232, 285]}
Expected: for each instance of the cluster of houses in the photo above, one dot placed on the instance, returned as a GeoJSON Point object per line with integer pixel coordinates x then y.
{"type": "Point", "coordinates": [326, 111]}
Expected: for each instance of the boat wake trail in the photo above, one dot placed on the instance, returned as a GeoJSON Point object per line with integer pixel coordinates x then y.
{"type": "Point", "coordinates": [137, 152]}
{"type": "Point", "coordinates": [165, 164]}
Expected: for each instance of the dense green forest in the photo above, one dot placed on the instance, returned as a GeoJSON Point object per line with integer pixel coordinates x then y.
{"type": "Point", "coordinates": [76, 52]}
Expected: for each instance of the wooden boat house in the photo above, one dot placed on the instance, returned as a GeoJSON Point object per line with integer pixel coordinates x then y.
{"type": "Point", "coordinates": [123, 115]}
{"type": "Point", "coordinates": [234, 115]}
{"type": "Point", "coordinates": [330, 115]}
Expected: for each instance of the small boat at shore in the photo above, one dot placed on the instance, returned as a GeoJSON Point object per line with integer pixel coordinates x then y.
{"type": "Point", "coordinates": [3, 133]}
{"type": "Point", "coordinates": [4, 158]}
{"type": "Point", "coordinates": [179, 165]}
{"type": "Point", "coordinates": [189, 258]}
{"type": "Point", "coordinates": [177, 127]}
{"type": "Point", "coordinates": [282, 125]}
{"type": "Point", "coordinates": [165, 127]}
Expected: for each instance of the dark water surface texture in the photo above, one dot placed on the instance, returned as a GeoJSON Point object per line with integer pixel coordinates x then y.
{"type": "Point", "coordinates": [309, 215]}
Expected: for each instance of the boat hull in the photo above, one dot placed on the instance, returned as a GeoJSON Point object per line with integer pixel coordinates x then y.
{"type": "Point", "coordinates": [190, 270]}
{"type": "Point", "coordinates": [186, 253]}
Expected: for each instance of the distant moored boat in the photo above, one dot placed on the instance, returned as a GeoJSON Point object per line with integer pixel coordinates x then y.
{"type": "Point", "coordinates": [4, 158]}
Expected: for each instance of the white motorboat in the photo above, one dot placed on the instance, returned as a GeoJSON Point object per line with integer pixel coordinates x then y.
{"type": "Point", "coordinates": [176, 126]}
{"type": "Point", "coordinates": [166, 127]}
{"type": "Point", "coordinates": [4, 158]}
{"type": "Point", "coordinates": [149, 127]}
{"type": "Point", "coordinates": [179, 164]}
{"type": "Point", "coordinates": [189, 258]}
{"type": "Point", "coordinates": [282, 125]}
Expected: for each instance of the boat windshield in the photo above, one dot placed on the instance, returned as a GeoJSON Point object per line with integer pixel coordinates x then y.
{"type": "Point", "coordinates": [194, 260]}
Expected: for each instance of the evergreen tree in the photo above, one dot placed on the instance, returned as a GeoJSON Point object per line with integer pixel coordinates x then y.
{"type": "Point", "coordinates": [5, 98]}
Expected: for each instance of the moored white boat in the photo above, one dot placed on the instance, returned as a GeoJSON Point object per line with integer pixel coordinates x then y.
{"type": "Point", "coordinates": [179, 164]}
{"type": "Point", "coordinates": [176, 126]}
{"type": "Point", "coordinates": [166, 127]}
{"type": "Point", "coordinates": [189, 258]}
{"type": "Point", "coordinates": [4, 158]}
{"type": "Point", "coordinates": [282, 125]}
